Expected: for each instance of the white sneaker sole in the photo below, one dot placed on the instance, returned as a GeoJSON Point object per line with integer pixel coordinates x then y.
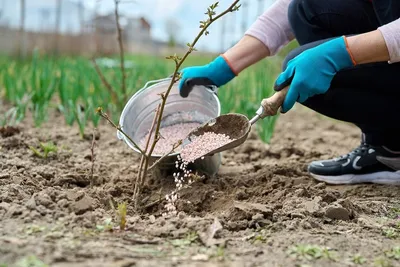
{"type": "Point", "coordinates": [387, 178]}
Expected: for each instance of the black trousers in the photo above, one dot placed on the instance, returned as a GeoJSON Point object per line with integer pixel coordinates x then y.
{"type": "Point", "coordinates": [366, 95]}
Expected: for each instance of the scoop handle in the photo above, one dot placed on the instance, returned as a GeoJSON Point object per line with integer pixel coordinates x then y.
{"type": "Point", "coordinates": [273, 103]}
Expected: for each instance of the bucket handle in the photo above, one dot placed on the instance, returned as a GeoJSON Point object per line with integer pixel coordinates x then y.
{"type": "Point", "coordinates": [120, 135]}
{"type": "Point", "coordinates": [211, 88]}
{"type": "Point", "coordinates": [155, 81]}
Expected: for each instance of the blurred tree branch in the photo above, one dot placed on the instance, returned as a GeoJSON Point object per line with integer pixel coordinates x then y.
{"type": "Point", "coordinates": [22, 35]}
{"type": "Point", "coordinates": [121, 51]}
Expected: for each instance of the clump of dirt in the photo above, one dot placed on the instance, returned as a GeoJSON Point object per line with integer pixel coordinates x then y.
{"type": "Point", "coordinates": [8, 131]}
{"type": "Point", "coordinates": [261, 203]}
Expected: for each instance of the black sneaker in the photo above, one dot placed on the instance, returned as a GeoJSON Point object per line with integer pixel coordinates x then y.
{"type": "Point", "coordinates": [365, 164]}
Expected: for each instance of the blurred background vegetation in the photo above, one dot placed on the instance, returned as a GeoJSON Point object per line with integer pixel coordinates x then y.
{"type": "Point", "coordinates": [49, 68]}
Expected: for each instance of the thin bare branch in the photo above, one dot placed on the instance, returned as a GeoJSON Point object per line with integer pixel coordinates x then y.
{"type": "Point", "coordinates": [153, 124]}
{"type": "Point", "coordinates": [144, 163]}
{"type": "Point", "coordinates": [103, 79]}
{"type": "Point", "coordinates": [145, 158]}
{"type": "Point", "coordinates": [121, 50]}
{"type": "Point", "coordinates": [105, 116]}
{"type": "Point", "coordinates": [175, 146]}
{"type": "Point", "coordinates": [179, 61]}
{"type": "Point", "coordinates": [139, 177]}
{"type": "Point", "coordinates": [231, 8]}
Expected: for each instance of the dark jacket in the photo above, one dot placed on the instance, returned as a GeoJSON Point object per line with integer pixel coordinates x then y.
{"type": "Point", "coordinates": [386, 10]}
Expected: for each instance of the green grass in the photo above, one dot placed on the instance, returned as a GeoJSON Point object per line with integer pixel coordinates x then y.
{"type": "Point", "coordinates": [311, 252]}
{"type": "Point", "coordinates": [30, 261]}
{"type": "Point", "coordinates": [71, 86]}
{"type": "Point", "coordinates": [358, 259]}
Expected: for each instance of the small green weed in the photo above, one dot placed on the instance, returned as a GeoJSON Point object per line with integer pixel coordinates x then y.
{"type": "Point", "coordinates": [46, 149]}
{"type": "Point", "coordinates": [122, 215]}
{"type": "Point", "coordinates": [220, 251]}
{"type": "Point", "coordinates": [311, 252]}
{"type": "Point", "coordinates": [391, 233]}
{"type": "Point", "coordinates": [394, 212]}
{"type": "Point", "coordinates": [9, 118]}
{"type": "Point", "coordinates": [190, 238]}
{"type": "Point", "coordinates": [107, 226]}
{"type": "Point", "coordinates": [120, 211]}
{"type": "Point", "coordinates": [394, 253]}
{"type": "Point", "coordinates": [259, 239]}
{"type": "Point", "coordinates": [358, 259]}
{"type": "Point", "coordinates": [382, 262]}
{"type": "Point", "coordinates": [33, 229]}
{"type": "Point", "coordinates": [30, 261]}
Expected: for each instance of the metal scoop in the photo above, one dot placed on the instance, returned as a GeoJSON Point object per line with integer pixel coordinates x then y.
{"type": "Point", "coordinates": [237, 126]}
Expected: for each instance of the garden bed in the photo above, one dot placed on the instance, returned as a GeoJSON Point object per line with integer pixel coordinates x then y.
{"type": "Point", "coordinates": [268, 211]}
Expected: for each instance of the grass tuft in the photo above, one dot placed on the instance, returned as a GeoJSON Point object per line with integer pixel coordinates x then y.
{"type": "Point", "coordinates": [311, 252]}
{"type": "Point", "coordinates": [44, 149]}
{"type": "Point", "coordinates": [358, 259]}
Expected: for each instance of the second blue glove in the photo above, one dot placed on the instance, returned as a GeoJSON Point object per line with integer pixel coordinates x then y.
{"type": "Point", "coordinates": [312, 71]}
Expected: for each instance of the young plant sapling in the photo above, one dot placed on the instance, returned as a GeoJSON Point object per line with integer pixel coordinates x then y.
{"type": "Point", "coordinates": [146, 155]}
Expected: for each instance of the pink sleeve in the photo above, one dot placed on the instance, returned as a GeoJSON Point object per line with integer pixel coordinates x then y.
{"type": "Point", "coordinates": [272, 27]}
{"type": "Point", "coordinates": [391, 34]}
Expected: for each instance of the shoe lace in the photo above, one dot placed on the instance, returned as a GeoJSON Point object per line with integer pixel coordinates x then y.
{"type": "Point", "coordinates": [362, 149]}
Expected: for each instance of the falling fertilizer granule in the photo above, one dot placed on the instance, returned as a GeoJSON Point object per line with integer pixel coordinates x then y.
{"type": "Point", "coordinates": [202, 145]}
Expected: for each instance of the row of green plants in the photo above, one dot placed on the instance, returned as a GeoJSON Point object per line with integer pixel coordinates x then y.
{"type": "Point", "coordinates": [41, 85]}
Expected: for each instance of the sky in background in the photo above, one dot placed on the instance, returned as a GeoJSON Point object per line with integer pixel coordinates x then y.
{"type": "Point", "coordinates": [187, 13]}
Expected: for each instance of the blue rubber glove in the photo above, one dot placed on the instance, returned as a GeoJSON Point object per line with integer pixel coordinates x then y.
{"type": "Point", "coordinates": [312, 71]}
{"type": "Point", "coordinates": [215, 73]}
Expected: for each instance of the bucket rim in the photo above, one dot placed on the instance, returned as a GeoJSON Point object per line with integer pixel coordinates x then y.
{"type": "Point", "coordinates": [147, 86]}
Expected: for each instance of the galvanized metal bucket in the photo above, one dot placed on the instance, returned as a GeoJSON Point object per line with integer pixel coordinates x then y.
{"type": "Point", "coordinates": [200, 106]}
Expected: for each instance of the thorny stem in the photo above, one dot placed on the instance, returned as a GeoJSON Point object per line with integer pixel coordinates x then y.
{"type": "Point", "coordinates": [121, 49]}
{"type": "Point", "coordinates": [105, 116]}
{"type": "Point", "coordinates": [174, 78]}
{"type": "Point", "coordinates": [178, 63]}
{"type": "Point", "coordinates": [144, 168]}
{"type": "Point", "coordinates": [231, 8]}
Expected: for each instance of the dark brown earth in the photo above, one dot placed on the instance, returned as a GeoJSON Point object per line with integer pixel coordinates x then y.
{"type": "Point", "coordinates": [262, 204]}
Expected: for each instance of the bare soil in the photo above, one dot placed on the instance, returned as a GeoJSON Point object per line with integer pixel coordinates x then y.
{"type": "Point", "coordinates": [260, 205]}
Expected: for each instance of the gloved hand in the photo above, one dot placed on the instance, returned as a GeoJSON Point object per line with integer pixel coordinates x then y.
{"type": "Point", "coordinates": [217, 72]}
{"type": "Point", "coordinates": [312, 71]}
